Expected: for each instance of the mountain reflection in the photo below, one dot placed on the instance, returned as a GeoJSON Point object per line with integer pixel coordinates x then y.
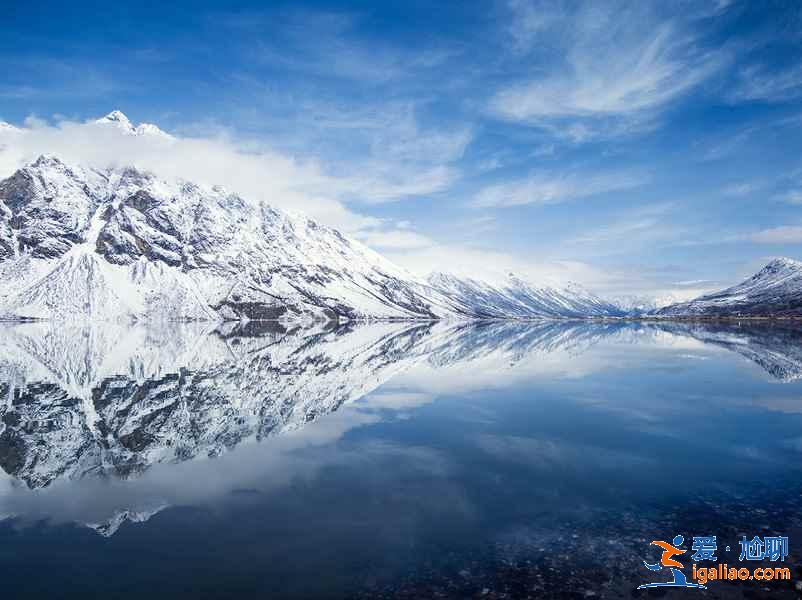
{"type": "Point", "coordinates": [775, 346]}
{"type": "Point", "coordinates": [108, 402]}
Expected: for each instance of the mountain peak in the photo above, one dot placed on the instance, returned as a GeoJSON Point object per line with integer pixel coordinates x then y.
{"type": "Point", "coordinates": [783, 263]}
{"type": "Point", "coordinates": [47, 160]}
{"type": "Point", "coordinates": [778, 268]}
{"type": "Point", "coordinates": [117, 117]}
{"type": "Point", "coordinates": [122, 122]}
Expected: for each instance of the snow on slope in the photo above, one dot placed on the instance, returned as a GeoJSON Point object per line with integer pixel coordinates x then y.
{"type": "Point", "coordinates": [776, 290]}
{"type": "Point", "coordinates": [516, 298]}
{"type": "Point", "coordinates": [80, 243]}
{"type": "Point", "coordinates": [117, 119]}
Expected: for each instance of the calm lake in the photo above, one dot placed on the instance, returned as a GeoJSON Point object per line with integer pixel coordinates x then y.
{"type": "Point", "coordinates": [410, 460]}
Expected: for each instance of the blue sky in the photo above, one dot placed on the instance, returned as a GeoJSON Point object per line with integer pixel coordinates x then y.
{"type": "Point", "coordinates": [644, 147]}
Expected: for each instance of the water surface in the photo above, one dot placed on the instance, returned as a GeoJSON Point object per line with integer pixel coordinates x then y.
{"type": "Point", "coordinates": [390, 460]}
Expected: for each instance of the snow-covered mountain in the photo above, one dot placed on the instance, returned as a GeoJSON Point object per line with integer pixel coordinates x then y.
{"type": "Point", "coordinates": [120, 121]}
{"type": "Point", "coordinates": [78, 243]}
{"type": "Point", "coordinates": [636, 306]}
{"type": "Point", "coordinates": [515, 298]}
{"type": "Point", "coordinates": [119, 243]}
{"type": "Point", "coordinates": [776, 290]}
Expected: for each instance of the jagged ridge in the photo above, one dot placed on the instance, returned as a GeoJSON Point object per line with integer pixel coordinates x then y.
{"type": "Point", "coordinates": [81, 243]}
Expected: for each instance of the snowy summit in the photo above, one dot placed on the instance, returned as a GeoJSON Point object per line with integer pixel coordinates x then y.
{"type": "Point", "coordinates": [118, 119]}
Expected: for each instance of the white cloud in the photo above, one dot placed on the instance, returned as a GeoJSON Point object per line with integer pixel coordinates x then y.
{"type": "Point", "coordinates": [792, 196]}
{"type": "Point", "coordinates": [760, 83]}
{"type": "Point", "coordinates": [722, 5]}
{"type": "Point", "coordinates": [618, 231]}
{"type": "Point", "coordinates": [398, 157]}
{"type": "Point", "coordinates": [647, 224]}
{"type": "Point", "coordinates": [668, 296]}
{"type": "Point", "coordinates": [642, 77]}
{"type": "Point", "coordinates": [530, 20]}
{"type": "Point", "coordinates": [725, 147]}
{"type": "Point", "coordinates": [396, 239]}
{"type": "Point", "coordinates": [255, 171]}
{"type": "Point", "coordinates": [374, 145]}
{"type": "Point", "coordinates": [603, 61]}
{"type": "Point", "coordinates": [396, 400]}
{"type": "Point", "coordinates": [642, 227]}
{"type": "Point", "coordinates": [476, 225]}
{"type": "Point", "coordinates": [785, 234]}
{"type": "Point", "coordinates": [379, 152]}
{"type": "Point", "coordinates": [607, 281]}
{"type": "Point", "coordinates": [739, 189]}
{"type": "Point", "coordinates": [495, 266]}
{"type": "Point", "coordinates": [407, 142]}
{"type": "Point", "coordinates": [379, 181]}
{"type": "Point", "coordinates": [692, 282]}
{"type": "Point", "coordinates": [328, 44]}
{"type": "Point", "coordinates": [553, 188]}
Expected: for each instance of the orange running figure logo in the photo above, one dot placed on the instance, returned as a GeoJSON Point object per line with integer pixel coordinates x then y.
{"type": "Point", "coordinates": [667, 561]}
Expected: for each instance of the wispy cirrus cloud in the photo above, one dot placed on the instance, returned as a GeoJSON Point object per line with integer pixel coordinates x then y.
{"type": "Point", "coordinates": [645, 77]}
{"type": "Point", "coordinates": [617, 231]}
{"type": "Point", "coordinates": [768, 84]}
{"type": "Point", "coordinates": [377, 181]}
{"type": "Point", "coordinates": [792, 196]}
{"type": "Point", "coordinates": [330, 44]}
{"type": "Point", "coordinates": [56, 78]}
{"type": "Point", "coordinates": [608, 67]}
{"type": "Point", "coordinates": [550, 188]}
{"type": "Point", "coordinates": [785, 234]}
{"type": "Point", "coordinates": [740, 189]}
{"type": "Point", "coordinates": [17, 92]}
{"type": "Point", "coordinates": [647, 224]}
{"type": "Point", "coordinates": [396, 239]}
{"type": "Point", "coordinates": [381, 151]}
{"type": "Point", "coordinates": [495, 266]}
{"type": "Point", "coordinates": [399, 158]}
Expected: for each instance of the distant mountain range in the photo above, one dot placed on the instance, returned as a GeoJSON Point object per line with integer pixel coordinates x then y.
{"type": "Point", "coordinates": [518, 299]}
{"type": "Point", "coordinates": [81, 243]}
